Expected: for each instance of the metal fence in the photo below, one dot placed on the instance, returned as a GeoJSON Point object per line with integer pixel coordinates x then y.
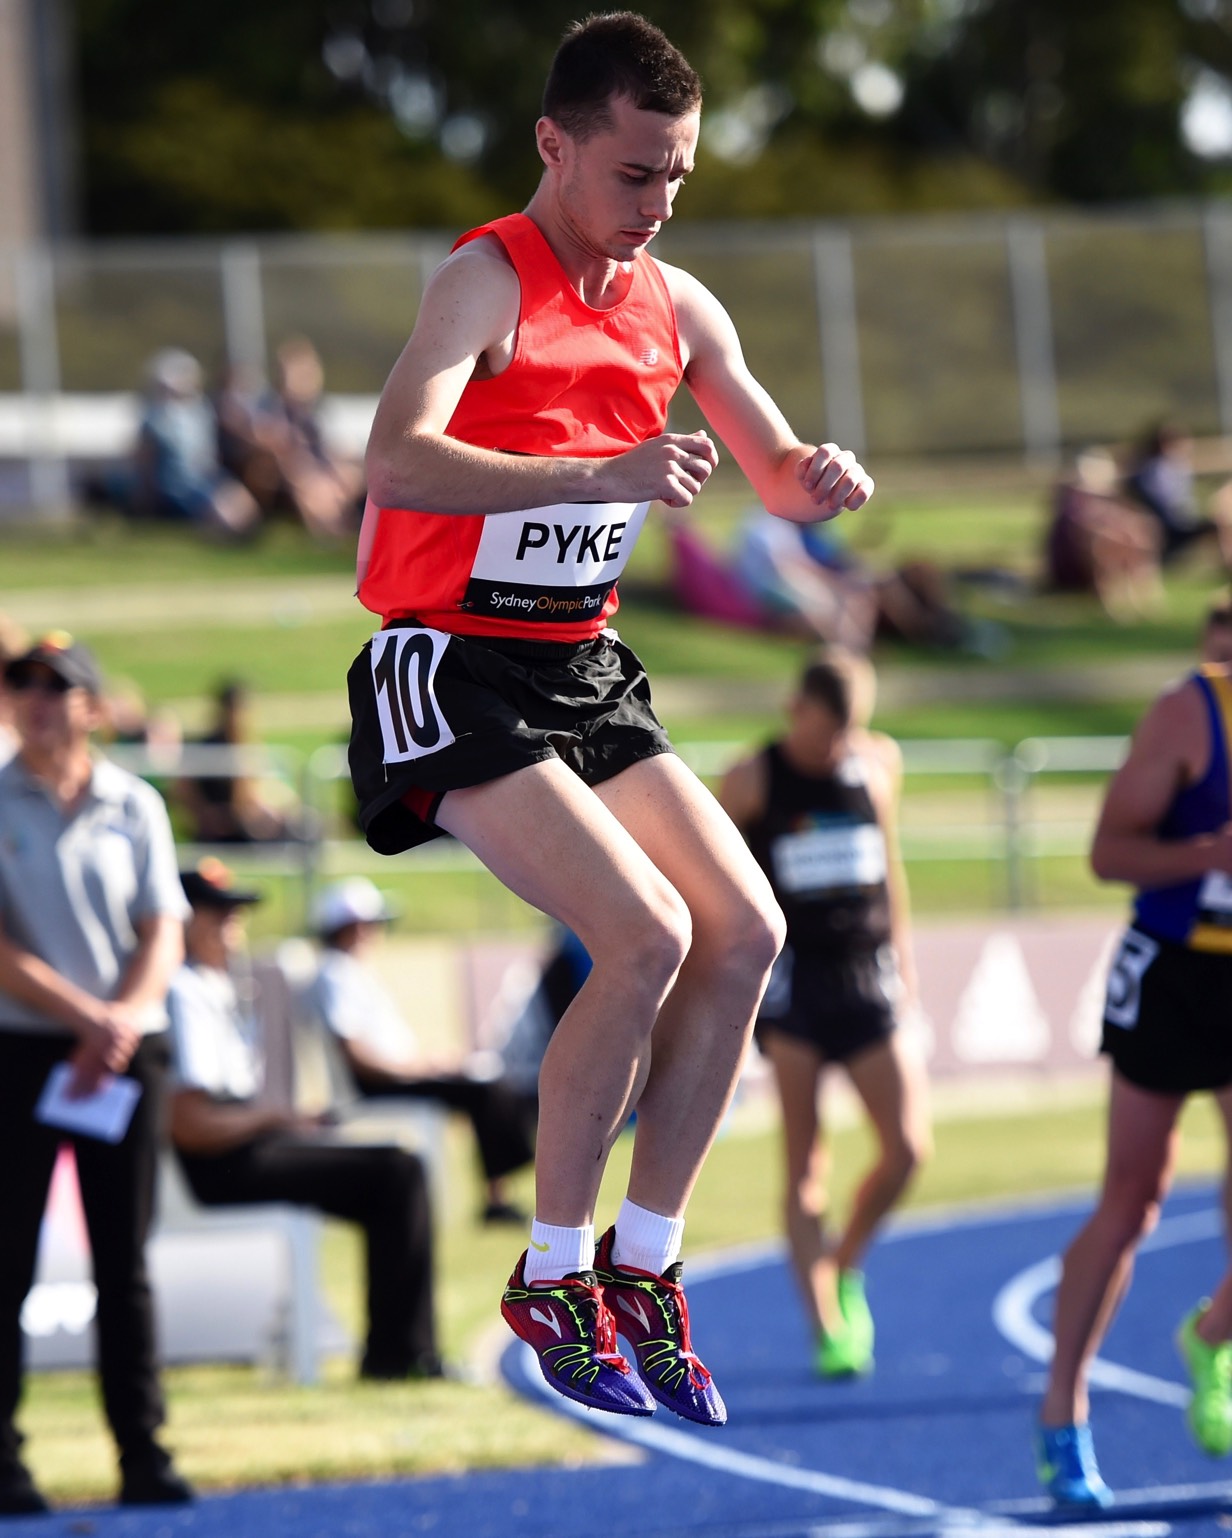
{"type": "Point", "coordinates": [1019, 334]}
{"type": "Point", "coordinates": [998, 807]}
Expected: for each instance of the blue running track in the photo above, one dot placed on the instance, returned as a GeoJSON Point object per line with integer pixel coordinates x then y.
{"type": "Point", "coordinates": [937, 1441]}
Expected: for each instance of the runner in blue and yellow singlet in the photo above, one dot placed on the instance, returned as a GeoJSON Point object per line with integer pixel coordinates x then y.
{"type": "Point", "coordinates": [1166, 829]}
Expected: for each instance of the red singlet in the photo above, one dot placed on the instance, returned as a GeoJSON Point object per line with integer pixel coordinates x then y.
{"type": "Point", "coordinates": [583, 382]}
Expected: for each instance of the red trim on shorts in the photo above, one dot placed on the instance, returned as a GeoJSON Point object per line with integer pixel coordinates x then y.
{"type": "Point", "coordinates": [421, 802]}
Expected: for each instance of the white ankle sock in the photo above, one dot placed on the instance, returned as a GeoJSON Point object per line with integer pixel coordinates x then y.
{"type": "Point", "coordinates": [556, 1252]}
{"type": "Point", "coordinates": [646, 1240]}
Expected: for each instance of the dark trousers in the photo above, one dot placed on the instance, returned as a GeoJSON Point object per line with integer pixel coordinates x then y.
{"type": "Point", "coordinates": [117, 1194]}
{"type": "Point", "coordinates": [498, 1116]}
{"type": "Point", "coordinates": [383, 1189]}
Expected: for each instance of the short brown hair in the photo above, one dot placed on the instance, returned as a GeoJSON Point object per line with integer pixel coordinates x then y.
{"type": "Point", "coordinates": [841, 682]}
{"type": "Point", "coordinates": [1219, 611]}
{"type": "Point", "coordinates": [618, 53]}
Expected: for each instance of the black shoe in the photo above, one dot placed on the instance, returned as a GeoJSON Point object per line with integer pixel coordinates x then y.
{"type": "Point", "coordinates": [398, 1372]}
{"type": "Point", "coordinates": [151, 1480]}
{"type": "Point", "coordinates": [19, 1495]}
{"type": "Point", "coordinates": [504, 1212]}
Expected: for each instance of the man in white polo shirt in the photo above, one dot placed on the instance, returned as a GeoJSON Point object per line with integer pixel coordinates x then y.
{"type": "Point", "coordinates": [91, 930]}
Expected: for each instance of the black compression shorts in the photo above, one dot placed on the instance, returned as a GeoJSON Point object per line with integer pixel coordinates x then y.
{"type": "Point", "coordinates": [432, 712]}
{"type": "Point", "coordinates": [840, 1004]}
{"type": "Point", "coordinates": [1167, 1025]}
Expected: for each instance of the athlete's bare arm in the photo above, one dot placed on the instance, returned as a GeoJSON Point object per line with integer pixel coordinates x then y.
{"type": "Point", "coordinates": [743, 790]}
{"type": "Point", "coordinates": [885, 790]}
{"type": "Point", "coordinates": [1170, 750]}
{"type": "Point", "coordinates": [799, 481]}
{"type": "Point", "coordinates": [466, 326]}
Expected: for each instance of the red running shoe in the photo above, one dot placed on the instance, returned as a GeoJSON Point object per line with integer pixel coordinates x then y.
{"type": "Point", "coordinates": [651, 1313]}
{"type": "Point", "coordinates": [570, 1330]}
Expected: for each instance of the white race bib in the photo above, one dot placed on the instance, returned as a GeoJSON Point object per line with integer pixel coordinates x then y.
{"type": "Point", "coordinates": [829, 858]}
{"type": "Point", "coordinates": [552, 564]}
{"type": "Point", "coordinates": [404, 664]}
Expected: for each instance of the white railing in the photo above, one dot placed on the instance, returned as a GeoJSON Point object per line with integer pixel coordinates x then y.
{"type": "Point", "coordinates": [990, 814]}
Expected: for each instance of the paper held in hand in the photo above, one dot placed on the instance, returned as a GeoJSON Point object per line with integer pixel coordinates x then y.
{"type": "Point", "coordinates": [104, 1114]}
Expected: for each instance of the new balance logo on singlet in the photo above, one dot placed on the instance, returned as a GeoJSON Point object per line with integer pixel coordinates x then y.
{"type": "Point", "coordinates": [552, 563]}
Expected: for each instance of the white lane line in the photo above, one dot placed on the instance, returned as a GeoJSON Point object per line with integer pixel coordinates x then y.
{"type": "Point", "coordinates": [1217, 1490]}
{"type": "Point", "coordinates": [924, 1529]}
{"type": "Point", "coordinates": [691, 1448]}
{"type": "Point", "coordinates": [1012, 1312]}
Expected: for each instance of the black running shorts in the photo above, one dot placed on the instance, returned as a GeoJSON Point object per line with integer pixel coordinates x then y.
{"type": "Point", "coordinates": [433, 712]}
{"type": "Point", "coordinates": [1167, 1025]}
{"type": "Point", "coordinates": [840, 1005]}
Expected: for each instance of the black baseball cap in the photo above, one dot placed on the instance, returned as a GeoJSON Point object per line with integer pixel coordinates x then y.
{"type": "Point", "coordinates": [210, 885]}
{"type": "Point", "coordinates": [66, 658]}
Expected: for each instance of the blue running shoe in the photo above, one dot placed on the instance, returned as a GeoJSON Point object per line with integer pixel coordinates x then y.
{"type": "Point", "coordinates": [569, 1328]}
{"type": "Point", "coordinates": [1065, 1463]}
{"type": "Point", "coordinates": [651, 1313]}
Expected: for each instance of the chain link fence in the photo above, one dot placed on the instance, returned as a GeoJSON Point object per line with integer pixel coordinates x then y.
{"type": "Point", "coordinates": [1024, 334]}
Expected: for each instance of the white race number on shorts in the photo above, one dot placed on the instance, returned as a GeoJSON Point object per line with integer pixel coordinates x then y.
{"type": "Point", "coordinates": [1129, 966]}
{"type": "Point", "coordinates": [404, 664]}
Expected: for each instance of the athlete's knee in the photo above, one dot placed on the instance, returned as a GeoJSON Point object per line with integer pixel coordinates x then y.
{"type": "Point", "coordinates": [805, 1195]}
{"type": "Point", "coordinates": [905, 1152]}
{"type": "Point", "coordinates": [644, 952]}
{"type": "Point", "coordinates": [1130, 1210]}
{"type": "Point", "coordinates": [745, 935]}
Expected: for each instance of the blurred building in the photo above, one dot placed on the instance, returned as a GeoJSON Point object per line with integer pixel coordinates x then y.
{"type": "Point", "coordinates": [38, 183]}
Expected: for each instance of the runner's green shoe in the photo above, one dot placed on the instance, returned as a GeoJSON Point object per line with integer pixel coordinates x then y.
{"type": "Point", "coordinates": [857, 1315]}
{"type": "Point", "coordinates": [1209, 1415]}
{"type": "Point", "coordinates": [839, 1356]}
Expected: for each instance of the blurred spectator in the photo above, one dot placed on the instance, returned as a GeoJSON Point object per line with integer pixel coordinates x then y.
{"type": "Point", "coordinates": [237, 401]}
{"type": "Point", "coordinates": [130, 721]}
{"type": "Point", "coordinates": [231, 808]}
{"type": "Point", "coordinates": [798, 579]}
{"type": "Point", "coordinates": [238, 1148]}
{"type": "Point", "coordinates": [277, 444]}
{"type": "Point", "coordinates": [12, 644]}
{"type": "Point", "coordinates": [1161, 479]}
{"type": "Point", "coordinates": [801, 594]}
{"type": "Point", "coordinates": [177, 473]}
{"type": "Point", "coordinates": [527, 1027]}
{"type": "Point", "coordinates": [91, 930]}
{"type": "Point", "coordinates": [1099, 543]}
{"type": "Point", "coordinates": [382, 1054]}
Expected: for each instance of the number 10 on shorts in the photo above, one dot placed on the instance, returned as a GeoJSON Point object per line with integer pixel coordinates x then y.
{"type": "Point", "coordinates": [404, 664]}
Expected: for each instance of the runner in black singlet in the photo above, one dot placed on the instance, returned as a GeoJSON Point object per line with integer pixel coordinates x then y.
{"type": "Point", "coordinates": [817, 809]}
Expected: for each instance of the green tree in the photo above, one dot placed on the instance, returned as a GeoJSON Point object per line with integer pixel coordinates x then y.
{"type": "Point", "coordinates": [328, 114]}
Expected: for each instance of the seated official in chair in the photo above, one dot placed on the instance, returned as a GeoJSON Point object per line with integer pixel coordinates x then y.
{"type": "Point", "coordinates": [380, 1050]}
{"type": "Point", "coordinates": [237, 1148]}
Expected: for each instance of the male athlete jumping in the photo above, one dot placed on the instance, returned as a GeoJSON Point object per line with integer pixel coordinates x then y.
{"type": "Point", "coordinates": [518, 443]}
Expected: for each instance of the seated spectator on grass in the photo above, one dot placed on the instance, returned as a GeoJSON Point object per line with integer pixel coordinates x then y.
{"type": "Point", "coordinates": [238, 1148]}
{"type": "Point", "coordinates": [176, 473]}
{"type": "Point", "coordinates": [323, 488]}
{"type": "Point", "coordinates": [382, 1053]}
{"type": "Point", "coordinates": [1161, 480]}
{"type": "Point", "coordinates": [797, 579]}
{"type": "Point", "coordinates": [233, 808]}
{"type": "Point", "coordinates": [1098, 542]}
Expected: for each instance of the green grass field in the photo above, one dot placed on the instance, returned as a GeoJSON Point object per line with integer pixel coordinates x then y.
{"type": "Point", "coordinates": [173, 616]}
